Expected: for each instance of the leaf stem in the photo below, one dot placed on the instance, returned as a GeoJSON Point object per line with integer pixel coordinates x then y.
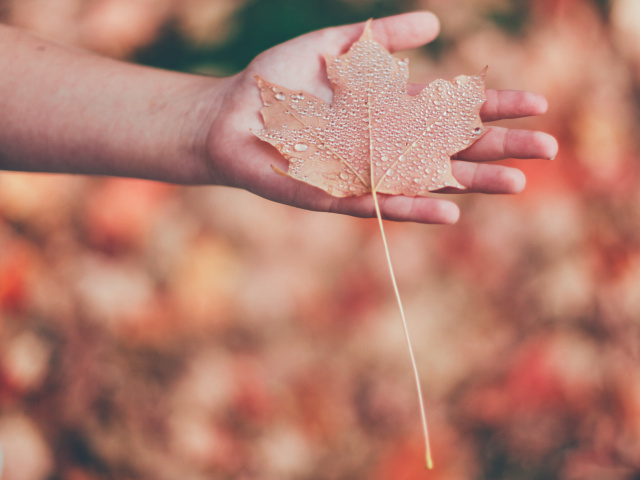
{"type": "Point", "coordinates": [425, 429]}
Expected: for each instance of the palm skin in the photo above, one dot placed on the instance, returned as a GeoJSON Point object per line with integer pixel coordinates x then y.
{"type": "Point", "coordinates": [237, 158]}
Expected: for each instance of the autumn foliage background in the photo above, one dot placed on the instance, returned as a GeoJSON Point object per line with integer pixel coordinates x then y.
{"type": "Point", "coordinates": [150, 331]}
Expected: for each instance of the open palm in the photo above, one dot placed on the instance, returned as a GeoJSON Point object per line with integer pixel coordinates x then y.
{"type": "Point", "coordinates": [239, 159]}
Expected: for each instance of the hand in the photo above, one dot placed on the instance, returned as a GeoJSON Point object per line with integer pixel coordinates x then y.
{"type": "Point", "coordinates": [237, 158]}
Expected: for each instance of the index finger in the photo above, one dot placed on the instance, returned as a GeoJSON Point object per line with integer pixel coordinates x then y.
{"type": "Point", "coordinates": [503, 104]}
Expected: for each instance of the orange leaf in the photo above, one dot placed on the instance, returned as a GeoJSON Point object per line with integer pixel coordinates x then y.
{"type": "Point", "coordinates": [375, 137]}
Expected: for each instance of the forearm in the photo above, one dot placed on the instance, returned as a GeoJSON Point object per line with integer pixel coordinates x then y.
{"type": "Point", "coordinates": [66, 110]}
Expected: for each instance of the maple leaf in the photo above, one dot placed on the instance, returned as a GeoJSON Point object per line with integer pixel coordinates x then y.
{"type": "Point", "coordinates": [375, 137]}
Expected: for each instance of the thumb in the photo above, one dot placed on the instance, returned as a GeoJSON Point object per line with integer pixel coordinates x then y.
{"type": "Point", "coordinates": [399, 32]}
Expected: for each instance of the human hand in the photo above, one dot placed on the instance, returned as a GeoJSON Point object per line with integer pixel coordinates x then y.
{"type": "Point", "coordinates": [237, 158]}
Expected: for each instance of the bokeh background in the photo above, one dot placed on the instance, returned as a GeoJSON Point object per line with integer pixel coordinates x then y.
{"type": "Point", "coordinates": [150, 331]}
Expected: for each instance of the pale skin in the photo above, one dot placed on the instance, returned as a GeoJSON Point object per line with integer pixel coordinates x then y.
{"type": "Point", "coordinates": [69, 111]}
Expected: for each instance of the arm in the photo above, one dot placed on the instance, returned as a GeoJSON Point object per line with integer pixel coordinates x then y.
{"type": "Point", "coordinates": [70, 111]}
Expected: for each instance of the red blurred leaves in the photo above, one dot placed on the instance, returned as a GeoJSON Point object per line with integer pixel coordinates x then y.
{"type": "Point", "coordinates": [18, 265]}
{"type": "Point", "coordinates": [121, 213]}
{"type": "Point", "coordinates": [534, 382]}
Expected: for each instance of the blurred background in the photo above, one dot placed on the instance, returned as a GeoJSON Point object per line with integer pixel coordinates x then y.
{"type": "Point", "coordinates": [150, 331]}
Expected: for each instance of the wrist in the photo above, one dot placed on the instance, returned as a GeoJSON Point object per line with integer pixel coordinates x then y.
{"type": "Point", "coordinates": [198, 132]}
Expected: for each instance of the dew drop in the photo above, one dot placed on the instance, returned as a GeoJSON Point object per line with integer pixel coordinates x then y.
{"type": "Point", "coordinates": [301, 147]}
{"type": "Point", "coordinates": [280, 96]}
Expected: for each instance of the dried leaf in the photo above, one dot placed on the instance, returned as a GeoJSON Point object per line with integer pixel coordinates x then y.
{"type": "Point", "coordinates": [375, 137]}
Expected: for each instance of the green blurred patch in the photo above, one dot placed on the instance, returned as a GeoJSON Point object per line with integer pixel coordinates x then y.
{"type": "Point", "coordinates": [260, 25]}
{"type": "Point", "coordinates": [512, 19]}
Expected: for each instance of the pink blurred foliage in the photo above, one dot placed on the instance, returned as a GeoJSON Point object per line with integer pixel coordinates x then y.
{"type": "Point", "coordinates": [120, 27]}
{"type": "Point", "coordinates": [161, 332]}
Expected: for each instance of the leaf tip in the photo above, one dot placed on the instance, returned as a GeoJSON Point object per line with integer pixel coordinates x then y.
{"type": "Point", "coordinates": [257, 133]}
{"type": "Point", "coordinates": [279, 172]}
{"type": "Point", "coordinates": [367, 32]}
{"type": "Point", "coordinates": [328, 59]}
